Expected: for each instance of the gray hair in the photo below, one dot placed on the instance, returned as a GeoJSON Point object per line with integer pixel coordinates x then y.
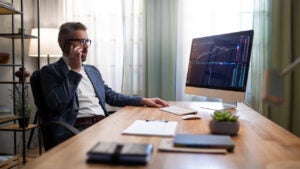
{"type": "Point", "coordinates": [67, 29]}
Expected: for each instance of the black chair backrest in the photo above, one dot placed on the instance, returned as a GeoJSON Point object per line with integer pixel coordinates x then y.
{"type": "Point", "coordinates": [49, 127]}
{"type": "Point", "coordinates": [41, 108]}
{"type": "Point", "coordinates": [35, 82]}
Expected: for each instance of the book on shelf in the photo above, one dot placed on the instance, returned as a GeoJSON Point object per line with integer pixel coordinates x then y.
{"type": "Point", "coordinates": [8, 8]}
{"type": "Point", "coordinates": [204, 141]}
{"type": "Point", "coordinates": [9, 161]}
{"type": "Point", "coordinates": [120, 153]}
{"type": "Point", "coordinates": [6, 5]}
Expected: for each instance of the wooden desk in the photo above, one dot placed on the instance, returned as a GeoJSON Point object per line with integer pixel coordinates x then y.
{"type": "Point", "coordinates": [259, 144]}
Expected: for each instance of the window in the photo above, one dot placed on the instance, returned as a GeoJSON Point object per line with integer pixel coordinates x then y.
{"type": "Point", "coordinates": [199, 18]}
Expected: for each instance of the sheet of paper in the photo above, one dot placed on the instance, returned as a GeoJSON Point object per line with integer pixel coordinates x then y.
{"type": "Point", "coordinates": [152, 127]}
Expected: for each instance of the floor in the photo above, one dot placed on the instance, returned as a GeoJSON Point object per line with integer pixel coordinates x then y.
{"type": "Point", "coordinates": [31, 155]}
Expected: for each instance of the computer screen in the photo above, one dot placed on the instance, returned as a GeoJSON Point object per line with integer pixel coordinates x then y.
{"type": "Point", "coordinates": [218, 66]}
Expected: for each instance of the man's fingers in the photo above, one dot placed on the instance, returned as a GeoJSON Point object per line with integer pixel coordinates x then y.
{"type": "Point", "coordinates": [162, 102]}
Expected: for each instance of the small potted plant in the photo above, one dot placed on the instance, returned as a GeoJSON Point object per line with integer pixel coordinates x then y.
{"type": "Point", "coordinates": [17, 96]}
{"type": "Point", "coordinates": [224, 122]}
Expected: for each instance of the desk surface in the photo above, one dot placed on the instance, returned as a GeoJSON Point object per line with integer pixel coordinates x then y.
{"type": "Point", "coordinates": [259, 144]}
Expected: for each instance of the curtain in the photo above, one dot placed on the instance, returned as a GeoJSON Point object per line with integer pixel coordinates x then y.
{"type": "Point", "coordinates": [284, 28]}
{"type": "Point", "coordinates": [198, 18]}
{"type": "Point", "coordinates": [295, 125]}
{"type": "Point", "coordinates": [104, 22]}
{"type": "Point", "coordinates": [134, 53]}
{"type": "Point", "coordinates": [260, 53]}
{"type": "Point", "coordinates": [161, 48]}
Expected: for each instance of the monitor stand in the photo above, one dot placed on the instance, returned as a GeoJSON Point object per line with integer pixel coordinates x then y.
{"type": "Point", "coordinates": [224, 105]}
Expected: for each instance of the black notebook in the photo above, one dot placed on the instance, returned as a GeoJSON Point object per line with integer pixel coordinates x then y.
{"type": "Point", "coordinates": [204, 141]}
{"type": "Point", "coordinates": [124, 153]}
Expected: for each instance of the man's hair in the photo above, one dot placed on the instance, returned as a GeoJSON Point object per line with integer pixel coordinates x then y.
{"type": "Point", "coordinates": [67, 29]}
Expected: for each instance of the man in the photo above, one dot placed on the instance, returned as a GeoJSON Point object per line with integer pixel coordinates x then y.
{"type": "Point", "coordinates": [74, 92]}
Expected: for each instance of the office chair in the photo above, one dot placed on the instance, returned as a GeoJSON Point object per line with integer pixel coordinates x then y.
{"type": "Point", "coordinates": [48, 127]}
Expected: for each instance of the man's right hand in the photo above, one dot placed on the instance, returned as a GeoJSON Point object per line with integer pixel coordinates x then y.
{"type": "Point", "coordinates": [75, 61]}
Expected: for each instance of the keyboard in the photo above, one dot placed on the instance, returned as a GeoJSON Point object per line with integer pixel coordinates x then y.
{"type": "Point", "coordinates": [178, 110]}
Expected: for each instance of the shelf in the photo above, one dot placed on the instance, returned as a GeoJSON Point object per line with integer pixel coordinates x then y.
{"type": "Point", "coordinates": [7, 8]}
{"type": "Point", "coordinates": [8, 118]}
{"type": "Point", "coordinates": [16, 36]}
{"type": "Point", "coordinates": [9, 161]}
{"type": "Point", "coordinates": [10, 65]}
{"type": "Point", "coordinates": [17, 62]}
{"type": "Point", "coordinates": [12, 82]}
{"type": "Point", "coordinates": [15, 127]}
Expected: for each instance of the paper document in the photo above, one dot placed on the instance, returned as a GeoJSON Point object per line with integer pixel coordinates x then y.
{"type": "Point", "coordinates": [152, 127]}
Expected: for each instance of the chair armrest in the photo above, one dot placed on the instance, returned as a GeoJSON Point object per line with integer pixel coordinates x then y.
{"type": "Point", "coordinates": [67, 126]}
{"type": "Point", "coordinates": [50, 137]}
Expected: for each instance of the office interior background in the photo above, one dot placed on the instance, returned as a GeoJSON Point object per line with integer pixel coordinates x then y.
{"type": "Point", "coordinates": [142, 47]}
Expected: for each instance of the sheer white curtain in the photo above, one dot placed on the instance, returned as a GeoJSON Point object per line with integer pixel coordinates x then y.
{"type": "Point", "coordinates": [161, 48]}
{"type": "Point", "coordinates": [117, 30]}
{"type": "Point", "coordinates": [198, 18]}
{"type": "Point", "coordinates": [260, 53]}
{"type": "Point", "coordinates": [134, 42]}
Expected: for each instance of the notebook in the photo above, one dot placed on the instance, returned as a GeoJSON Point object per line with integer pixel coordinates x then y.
{"type": "Point", "coordinates": [204, 141]}
{"type": "Point", "coordinates": [123, 153]}
{"type": "Point", "coordinates": [167, 145]}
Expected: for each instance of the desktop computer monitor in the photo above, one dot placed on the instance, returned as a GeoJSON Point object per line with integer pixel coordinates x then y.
{"type": "Point", "coordinates": [218, 68]}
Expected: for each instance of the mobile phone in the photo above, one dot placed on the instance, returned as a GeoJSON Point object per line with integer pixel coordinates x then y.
{"type": "Point", "coordinates": [66, 47]}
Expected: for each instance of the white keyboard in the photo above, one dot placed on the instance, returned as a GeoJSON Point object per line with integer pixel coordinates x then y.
{"type": "Point", "coordinates": [178, 110]}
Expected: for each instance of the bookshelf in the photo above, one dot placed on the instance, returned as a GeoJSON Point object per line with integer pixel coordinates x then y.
{"type": "Point", "coordinates": [9, 10]}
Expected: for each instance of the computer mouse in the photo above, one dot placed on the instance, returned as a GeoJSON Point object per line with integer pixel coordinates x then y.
{"type": "Point", "coordinates": [191, 117]}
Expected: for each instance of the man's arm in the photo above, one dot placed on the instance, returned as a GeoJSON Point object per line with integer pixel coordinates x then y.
{"type": "Point", "coordinates": [106, 94]}
{"type": "Point", "coordinates": [58, 90]}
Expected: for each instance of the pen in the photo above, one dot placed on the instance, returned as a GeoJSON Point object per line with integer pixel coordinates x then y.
{"type": "Point", "coordinates": [157, 121]}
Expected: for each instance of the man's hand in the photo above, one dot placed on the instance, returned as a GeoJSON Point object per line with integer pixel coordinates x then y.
{"type": "Point", "coordinates": [75, 61]}
{"type": "Point", "coordinates": [154, 102]}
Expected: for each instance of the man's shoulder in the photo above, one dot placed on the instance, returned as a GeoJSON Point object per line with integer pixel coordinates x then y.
{"type": "Point", "coordinates": [89, 67]}
{"type": "Point", "coordinates": [55, 66]}
{"type": "Point", "coordinates": [92, 71]}
{"type": "Point", "coordinates": [59, 62]}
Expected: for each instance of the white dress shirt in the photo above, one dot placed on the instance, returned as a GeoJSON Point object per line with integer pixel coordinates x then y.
{"type": "Point", "coordinates": [88, 101]}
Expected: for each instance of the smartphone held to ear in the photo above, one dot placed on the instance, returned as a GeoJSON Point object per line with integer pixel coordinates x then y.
{"type": "Point", "coordinates": [66, 47]}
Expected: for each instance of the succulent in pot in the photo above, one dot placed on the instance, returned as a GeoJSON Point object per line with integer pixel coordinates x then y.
{"type": "Point", "coordinates": [224, 122]}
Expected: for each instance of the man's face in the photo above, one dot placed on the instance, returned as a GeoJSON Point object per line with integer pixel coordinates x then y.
{"type": "Point", "coordinates": [79, 38]}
